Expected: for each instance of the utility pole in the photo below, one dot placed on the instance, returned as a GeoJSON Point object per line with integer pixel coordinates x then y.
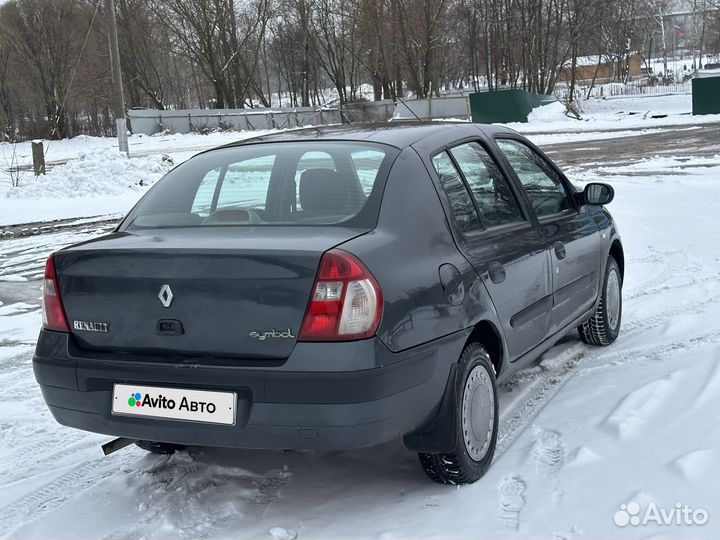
{"type": "Point", "coordinates": [117, 78]}
{"type": "Point", "coordinates": [664, 43]}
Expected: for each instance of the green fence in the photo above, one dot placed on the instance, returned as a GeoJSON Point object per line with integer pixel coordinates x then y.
{"type": "Point", "coordinates": [706, 95]}
{"type": "Point", "coordinates": [505, 106]}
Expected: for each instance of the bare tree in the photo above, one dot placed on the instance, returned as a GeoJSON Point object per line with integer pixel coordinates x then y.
{"type": "Point", "coordinates": [39, 33]}
{"type": "Point", "coordinates": [7, 119]}
{"type": "Point", "coordinates": [335, 25]}
{"type": "Point", "coordinates": [144, 52]}
{"type": "Point", "coordinates": [422, 26]}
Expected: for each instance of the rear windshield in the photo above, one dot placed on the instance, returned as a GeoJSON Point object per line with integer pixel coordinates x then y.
{"type": "Point", "coordinates": [308, 183]}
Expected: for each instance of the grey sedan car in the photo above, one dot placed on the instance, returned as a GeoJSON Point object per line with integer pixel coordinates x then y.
{"type": "Point", "coordinates": [331, 288]}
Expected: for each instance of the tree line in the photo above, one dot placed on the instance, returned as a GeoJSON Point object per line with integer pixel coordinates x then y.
{"type": "Point", "coordinates": [55, 77]}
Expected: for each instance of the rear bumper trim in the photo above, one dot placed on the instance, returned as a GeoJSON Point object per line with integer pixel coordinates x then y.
{"type": "Point", "coordinates": [275, 408]}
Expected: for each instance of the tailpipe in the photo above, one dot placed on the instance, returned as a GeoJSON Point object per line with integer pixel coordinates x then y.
{"type": "Point", "coordinates": [117, 444]}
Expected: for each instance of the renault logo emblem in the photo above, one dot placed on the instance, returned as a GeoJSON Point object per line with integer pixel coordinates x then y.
{"type": "Point", "coordinates": [166, 295]}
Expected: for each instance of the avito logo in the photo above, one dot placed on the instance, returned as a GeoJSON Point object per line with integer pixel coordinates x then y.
{"type": "Point", "coordinates": [680, 514]}
{"type": "Point", "coordinates": [161, 402]}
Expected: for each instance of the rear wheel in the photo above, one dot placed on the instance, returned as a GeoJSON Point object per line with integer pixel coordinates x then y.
{"type": "Point", "coordinates": [476, 422]}
{"type": "Point", "coordinates": [604, 325]}
{"type": "Point", "coordinates": [160, 447]}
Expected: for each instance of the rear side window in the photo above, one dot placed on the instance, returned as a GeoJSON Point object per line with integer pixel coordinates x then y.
{"type": "Point", "coordinates": [495, 201]}
{"type": "Point", "coordinates": [544, 187]}
{"type": "Point", "coordinates": [246, 183]}
{"type": "Point", "coordinates": [270, 184]}
{"type": "Point", "coordinates": [460, 203]}
{"type": "Point", "coordinates": [367, 164]}
{"type": "Point", "coordinates": [205, 193]}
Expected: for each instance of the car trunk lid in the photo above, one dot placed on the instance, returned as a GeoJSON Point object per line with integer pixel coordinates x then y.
{"type": "Point", "coordinates": [221, 291]}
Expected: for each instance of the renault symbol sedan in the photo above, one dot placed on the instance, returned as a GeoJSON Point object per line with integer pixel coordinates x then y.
{"type": "Point", "coordinates": [331, 288]}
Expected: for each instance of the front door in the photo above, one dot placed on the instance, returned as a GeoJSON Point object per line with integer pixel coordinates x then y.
{"type": "Point", "coordinates": [571, 236]}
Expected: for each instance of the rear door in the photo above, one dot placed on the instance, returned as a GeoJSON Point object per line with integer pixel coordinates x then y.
{"type": "Point", "coordinates": [571, 236]}
{"type": "Point", "coordinates": [500, 242]}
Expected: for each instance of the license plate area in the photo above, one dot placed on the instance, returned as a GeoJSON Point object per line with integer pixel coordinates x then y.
{"type": "Point", "coordinates": [205, 406]}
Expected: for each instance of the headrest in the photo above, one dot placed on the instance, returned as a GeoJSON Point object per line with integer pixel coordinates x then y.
{"type": "Point", "coordinates": [324, 191]}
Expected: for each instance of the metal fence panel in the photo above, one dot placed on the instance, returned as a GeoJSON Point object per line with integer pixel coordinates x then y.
{"type": "Point", "coordinates": [431, 108]}
{"type": "Point", "coordinates": [620, 90]}
{"type": "Point", "coordinates": [368, 111]}
{"type": "Point", "coordinates": [706, 95]}
{"type": "Point", "coordinates": [150, 122]}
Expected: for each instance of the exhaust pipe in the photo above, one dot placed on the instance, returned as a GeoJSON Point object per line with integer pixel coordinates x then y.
{"type": "Point", "coordinates": [117, 444]}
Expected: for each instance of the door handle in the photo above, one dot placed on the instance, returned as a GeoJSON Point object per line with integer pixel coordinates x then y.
{"type": "Point", "coordinates": [560, 250]}
{"type": "Point", "coordinates": [496, 272]}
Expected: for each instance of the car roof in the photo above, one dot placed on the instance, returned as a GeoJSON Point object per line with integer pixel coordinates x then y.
{"type": "Point", "coordinates": [399, 134]}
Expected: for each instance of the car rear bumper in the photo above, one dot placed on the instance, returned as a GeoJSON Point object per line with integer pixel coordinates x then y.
{"type": "Point", "coordinates": [277, 408]}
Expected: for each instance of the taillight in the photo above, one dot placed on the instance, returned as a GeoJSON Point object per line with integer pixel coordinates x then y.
{"type": "Point", "coordinates": [346, 304]}
{"type": "Point", "coordinates": [53, 312]}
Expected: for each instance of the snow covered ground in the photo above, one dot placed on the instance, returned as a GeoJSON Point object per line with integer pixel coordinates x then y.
{"type": "Point", "coordinates": [586, 431]}
{"type": "Point", "coordinates": [612, 118]}
{"type": "Point", "coordinates": [87, 176]}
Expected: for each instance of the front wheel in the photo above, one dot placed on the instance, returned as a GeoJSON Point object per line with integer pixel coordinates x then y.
{"type": "Point", "coordinates": [476, 422]}
{"type": "Point", "coordinates": [604, 325]}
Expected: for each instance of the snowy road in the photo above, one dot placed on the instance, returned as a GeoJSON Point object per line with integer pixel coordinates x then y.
{"type": "Point", "coordinates": [582, 433]}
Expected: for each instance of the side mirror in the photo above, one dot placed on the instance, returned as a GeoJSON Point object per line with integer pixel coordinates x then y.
{"type": "Point", "coordinates": [597, 193]}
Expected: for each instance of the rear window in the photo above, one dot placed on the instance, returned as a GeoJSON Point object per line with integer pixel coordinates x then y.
{"type": "Point", "coordinates": [313, 183]}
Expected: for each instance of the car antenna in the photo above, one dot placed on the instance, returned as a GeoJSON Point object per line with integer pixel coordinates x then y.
{"type": "Point", "coordinates": [374, 75]}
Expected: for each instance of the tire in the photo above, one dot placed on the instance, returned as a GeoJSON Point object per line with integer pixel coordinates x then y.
{"type": "Point", "coordinates": [476, 407]}
{"type": "Point", "coordinates": [604, 325]}
{"type": "Point", "coordinates": [160, 447]}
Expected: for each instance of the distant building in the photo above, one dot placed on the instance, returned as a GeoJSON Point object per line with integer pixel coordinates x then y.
{"type": "Point", "coordinates": [608, 70]}
{"type": "Point", "coordinates": [687, 32]}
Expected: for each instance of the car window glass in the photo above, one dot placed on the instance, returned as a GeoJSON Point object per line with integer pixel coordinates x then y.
{"type": "Point", "coordinates": [246, 183]}
{"type": "Point", "coordinates": [458, 196]}
{"type": "Point", "coordinates": [367, 165]}
{"type": "Point", "coordinates": [314, 160]}
{"type": "Point", "coordinates": [544, 187]}
{"type": "Point", "coordinates": [495, 201]}
{"type": "Point", "coordinates": [317, 183]}
{"type": "Point", "coordinates": [204, 196]}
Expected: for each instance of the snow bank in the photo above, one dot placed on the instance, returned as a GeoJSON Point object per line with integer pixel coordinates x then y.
{"type": "Point", "coordinates": [97, 174]}
{"type": "Point", "coordinates": [88, 177]}
{"type": "Point", "coordinates": [604, 115]}
{"type": "Point", "coordinates": [547, 113]}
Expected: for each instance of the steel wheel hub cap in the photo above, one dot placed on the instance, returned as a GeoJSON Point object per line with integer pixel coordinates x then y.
{"type": "Point", "coordinates": [478, 413]}
{"type": "Point", "coordinates": [613, 299]}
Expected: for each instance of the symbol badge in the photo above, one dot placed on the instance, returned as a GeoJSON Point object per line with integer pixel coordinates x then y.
{"type": "Point", "coordinates": [166, 295]}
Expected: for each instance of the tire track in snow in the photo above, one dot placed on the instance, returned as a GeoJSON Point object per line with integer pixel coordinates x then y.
{"type": "Point", "coordinates": [57, 492]}
{"type": "Point", "coordinates": [515, 419]}
{"type": "Point", "coordinates": [27, 463]}
{"type": "Point", "coordinates": [649, 352]}
{"type": "Point", "coordinates": [676, 264]}
{"type": "Point", "coordinates": [16, 361]}
{"type": "Point", "coordinates": [672, 262]}
{"type": "Point", "coordinates": [518, 416]}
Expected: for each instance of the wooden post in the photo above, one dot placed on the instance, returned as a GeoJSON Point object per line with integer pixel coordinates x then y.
{"type": "Point", "coordinates": [38, 155]}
